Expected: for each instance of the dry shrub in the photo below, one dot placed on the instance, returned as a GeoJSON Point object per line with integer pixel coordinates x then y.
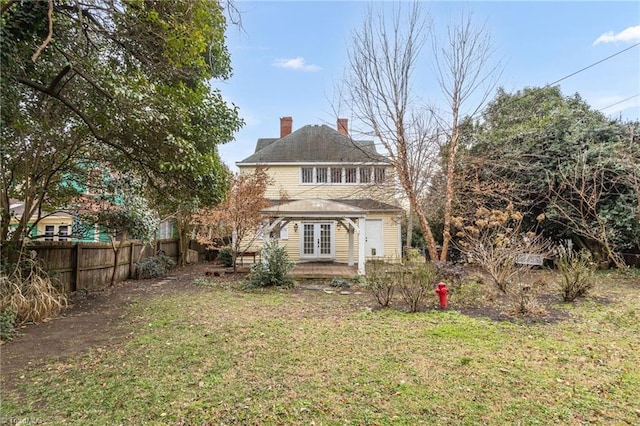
{"type": "Point", "coordinates": [416, 282]}
{"type": "Point", "coordinates": [379, 281]}
{"type": "Point", "coordinates": [28, 291]}
{"type": "Point", "coordinates": [495, 241]}
{"type": "Point", "coordinates": [523, 298]}
{"type": "Point", "coordinates": [577, 272]}
{"type": "Point", "coordinates": [470, 294]}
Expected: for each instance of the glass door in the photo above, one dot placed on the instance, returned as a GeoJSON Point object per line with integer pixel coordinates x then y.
{"type": "Point", "coordinates": [317, 240]}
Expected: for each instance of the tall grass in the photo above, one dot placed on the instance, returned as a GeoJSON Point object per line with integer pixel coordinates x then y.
{"type": "Point", "coordinates": [29, 292]}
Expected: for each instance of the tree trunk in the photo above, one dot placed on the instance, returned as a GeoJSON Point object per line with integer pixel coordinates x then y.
{"type": "Point", "coordinates": [409, 228]}
{"type": "Point", "coordinates": [5, 215]}
{"type": "Point", "coordinates": [183, 221]}
{"type": "Point", "coordinates": [449, 192]}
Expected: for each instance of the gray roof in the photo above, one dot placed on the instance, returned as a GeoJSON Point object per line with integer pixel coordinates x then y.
{"type": "Point", "coordinates": [313, 206]}
{"type": "Point", "coordinates": [314, 143]}
{"type": "Point", "coordinates": [264, 142]}
{"type": "Point", "coordinates": [368, 204]}
{"type": "Point", "coordinates": [322, 206]}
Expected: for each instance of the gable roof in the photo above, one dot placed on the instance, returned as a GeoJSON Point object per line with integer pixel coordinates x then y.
{"type": "Point", "coordinates": [313, 143]}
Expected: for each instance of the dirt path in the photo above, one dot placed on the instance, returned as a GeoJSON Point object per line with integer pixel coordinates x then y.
{"type": "Point", "coordinates": [95, 320]}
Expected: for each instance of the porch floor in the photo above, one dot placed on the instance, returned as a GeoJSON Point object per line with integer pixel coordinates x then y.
{"type": "Point", "coordinates": [308, 270]}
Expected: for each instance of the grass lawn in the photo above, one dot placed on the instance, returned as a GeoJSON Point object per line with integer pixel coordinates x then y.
{"type": "Point", "coordinates": [223, 356]}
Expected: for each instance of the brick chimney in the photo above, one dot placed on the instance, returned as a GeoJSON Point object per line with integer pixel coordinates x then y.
{"type": "Point", "coordinates": [343, 126]}
{"type": "Point", "coordinates": [286, 124]}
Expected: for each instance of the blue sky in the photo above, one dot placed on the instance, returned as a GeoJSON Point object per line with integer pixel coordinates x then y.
{"type": "Point", "coordinates": [290, 57]}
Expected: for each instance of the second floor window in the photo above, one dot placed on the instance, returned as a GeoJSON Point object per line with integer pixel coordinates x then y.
{"type": "Point", "coordinates": [307, 175]}
{"type": "Point", "coordinates": [351, 175]}
{"type": "Point", "coordinates": [365, 174]}
{"type": "Point", "coordinates": [342, 175]}
{"type": "Point", "coordinates": [321, 174]}
{"type": "Point", "coordinates": [336, 174]}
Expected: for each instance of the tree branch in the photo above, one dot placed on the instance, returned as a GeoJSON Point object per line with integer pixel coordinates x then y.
{"type": "Point", "coordinates": [49, 36]}
{"type": "Point", "coordinates": [54, 83]}
{"type": "Point", "coordinates": [94, 131]}
{"type": "Point", "coordinates": [7, 6]}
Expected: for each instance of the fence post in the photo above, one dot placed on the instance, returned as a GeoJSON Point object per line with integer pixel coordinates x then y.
{"type": "Point", "coordinates": [76, 266]}
{"type": "Point", "coordinates": [131, 247]}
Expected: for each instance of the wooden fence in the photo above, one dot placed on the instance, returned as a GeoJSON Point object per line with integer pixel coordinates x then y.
{"type": "Point", "coordinates": [89, 266]}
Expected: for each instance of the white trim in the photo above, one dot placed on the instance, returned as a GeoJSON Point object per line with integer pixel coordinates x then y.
{"type": "Point", "coordinates": [399, 254]}
{"type": "Point", "coordinates": [358, 167]}
{"type": "Point", "coordinates": [361, 244]}
{"type": "Point", "coordinates": [316, 229]}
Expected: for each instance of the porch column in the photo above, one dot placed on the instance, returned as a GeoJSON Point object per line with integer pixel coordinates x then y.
{"type": "Point", "coordinates": [350, 231]}
{"type": "Point", "coordinates": [361, 244]}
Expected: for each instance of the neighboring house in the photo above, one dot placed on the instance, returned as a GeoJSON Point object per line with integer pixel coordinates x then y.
{"type": "Point", "coordinates": [67, 225]}
{"type": "Point", "coordinates": [56, 226]}
{"type": "Point", "coordinates": [338, 202]}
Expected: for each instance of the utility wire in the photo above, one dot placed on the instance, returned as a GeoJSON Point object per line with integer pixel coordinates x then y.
{"type": "Point", "coordinates": [581, 70]}
{"type": "Point", "coordinates": [577, 72]}
{"type": "Point", "coordinates": [594, 64]}
{"type": "Point", "coordinates": [619, 102]}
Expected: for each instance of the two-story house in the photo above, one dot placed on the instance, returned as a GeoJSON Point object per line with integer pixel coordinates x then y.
{"type": "Point", "coordinates": [339, 203]}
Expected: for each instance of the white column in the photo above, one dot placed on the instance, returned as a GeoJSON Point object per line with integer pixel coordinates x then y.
{"type": "Point", "coordinates": [361, 245]}
{"type": "Point", "coordinates": [350, 230]}
{"type": "Point", "coordinates": [399, 250]}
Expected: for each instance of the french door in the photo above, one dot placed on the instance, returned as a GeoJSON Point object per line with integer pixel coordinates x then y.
{"type": "Point", "coordinates": [317, 240]}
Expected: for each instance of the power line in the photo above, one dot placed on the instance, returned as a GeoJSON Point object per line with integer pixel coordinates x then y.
{"type": "Point", "coordinates": [512, 100]}
{"type": "Point", "coordinates": [594, 64]}
{"type": "Point", "coordinates": [619, 102]}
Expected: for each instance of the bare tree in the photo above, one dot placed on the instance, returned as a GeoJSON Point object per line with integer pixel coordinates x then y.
{"type": "Point", "coordinates": [577, 203]}
{"type": "Point", "coordinates": [422, 161]}
{"type": "Point", "coordinates": [466, 75]}
{"type": "Point", "coordinates": [382, 59]}
{"type": "Point", "coordinates": [382, 64]}
{"type": "Point", "coordinates": [239, 215]}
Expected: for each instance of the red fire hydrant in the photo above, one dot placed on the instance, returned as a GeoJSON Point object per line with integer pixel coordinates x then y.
{"type": "Point", "coordinates": [442, 291]}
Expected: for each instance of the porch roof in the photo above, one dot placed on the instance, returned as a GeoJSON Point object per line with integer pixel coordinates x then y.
{"type": "Point", "coordinates": [314, 207]}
